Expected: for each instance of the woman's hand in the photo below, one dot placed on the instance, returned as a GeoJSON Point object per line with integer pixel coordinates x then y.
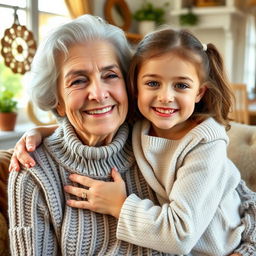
{"type": "Point", "coordinates": [235, 254]}
{"type": "Point", "coordinates": [102, 197]}
{"type": "Point", "coordinates": [28, 143]}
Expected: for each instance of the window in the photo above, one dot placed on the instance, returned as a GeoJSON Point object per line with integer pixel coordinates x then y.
{"type": "Point", "coordinates": [47, 14]}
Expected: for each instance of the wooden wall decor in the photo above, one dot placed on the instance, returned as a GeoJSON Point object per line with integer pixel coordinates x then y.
{"type": "Point", "coordinates": [206, 3]}
{"type": "Point", "coordinates": [119, 6]}
{"type": "Point", "coordinates": [18, 47]}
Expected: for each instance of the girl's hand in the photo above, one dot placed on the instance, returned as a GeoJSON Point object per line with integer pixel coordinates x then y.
{"type": "Point", "coordinates": [102, 197]}
{"type": "Point", "coordinates": [235, 254]}
{"type": "Point", "coordinates": [28, 143]}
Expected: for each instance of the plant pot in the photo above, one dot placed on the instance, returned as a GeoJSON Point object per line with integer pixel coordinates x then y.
{"type": "Point", "coordinates": [146, 26]}
{"type": "Point", "coordinates": [7, 121]}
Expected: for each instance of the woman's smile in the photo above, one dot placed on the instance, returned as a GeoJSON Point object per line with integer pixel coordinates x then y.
{"type": "Point", "coordinates": [99, 112]}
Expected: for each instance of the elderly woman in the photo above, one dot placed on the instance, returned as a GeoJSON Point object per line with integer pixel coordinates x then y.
{"type": "Point", "coordinates": [79, 74]}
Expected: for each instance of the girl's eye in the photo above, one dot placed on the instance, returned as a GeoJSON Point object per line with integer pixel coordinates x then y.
{"type": "Point", "coordinates": [181, 86]}
{"type": "Point", "coordinates": [153, 83]}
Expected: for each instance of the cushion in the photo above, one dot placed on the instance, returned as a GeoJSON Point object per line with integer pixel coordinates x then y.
{"type": "Point", "coordinates": [242, 151]}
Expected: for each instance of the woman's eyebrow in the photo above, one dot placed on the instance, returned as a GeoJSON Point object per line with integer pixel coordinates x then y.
{"type": "Point", "coordinates": [109, 67]}
{"type": "Point", "coordinates": [84, 71]}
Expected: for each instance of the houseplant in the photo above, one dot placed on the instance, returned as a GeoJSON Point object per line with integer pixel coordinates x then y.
{"type": "Point", "coordinates": [189, 18]}
{"type": "Point", "coordinates": [8, 108]}
{"type": "Point", "coordinates": [149, 16]}
{"type": "Point", "coordinates": [10, 88]}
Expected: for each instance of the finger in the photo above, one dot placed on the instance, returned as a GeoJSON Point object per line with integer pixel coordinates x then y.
{"type": "Point", "coordinates": [30, 143]}
{"type": "Point", "coordinates": [83, 180]}
{"type": "Point", "coordinates": [79, 204]}
{"type": "Point", "coordinates": [14, 164]}
{"type": "Point", "coordinates": [22, 155]}
{"type": "Point", "coordinates": [79, 192]}
{"type": "Point", "coordinates": [116, 175]}
{"type": "Point", "coordinates": [33, 138]}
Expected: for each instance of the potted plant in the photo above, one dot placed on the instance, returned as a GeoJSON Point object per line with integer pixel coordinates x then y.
{"type": "Point", "coordinates": [149, 16]}
{"type": "Point", "coordinates": [189, 18]}
{"type": "Point", "coordinates": [8, 108]}
{"type": "Point", "coordinates": [10, 88]}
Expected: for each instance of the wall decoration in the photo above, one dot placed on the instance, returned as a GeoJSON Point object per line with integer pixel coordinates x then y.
{"type": "Point", "coordinates": [18, 47]}
{"type": "Point", "coordinates": [205, 3]}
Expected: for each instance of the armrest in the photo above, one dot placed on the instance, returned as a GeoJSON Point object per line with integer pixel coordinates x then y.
{"type": "Point", "coordinates": [5, 156]}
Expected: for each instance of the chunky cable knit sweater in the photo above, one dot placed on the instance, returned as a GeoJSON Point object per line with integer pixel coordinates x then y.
{"type": "Point", "coordinates": [40, 221]}
{"type": "Point", "coordinates": [196, 185]}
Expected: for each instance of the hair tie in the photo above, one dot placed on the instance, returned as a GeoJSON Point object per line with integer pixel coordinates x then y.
{"type": "Point", "coordinates": [204, 47]}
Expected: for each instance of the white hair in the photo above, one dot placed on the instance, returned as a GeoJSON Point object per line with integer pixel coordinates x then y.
{"type": "Point", "coordinates": [87, 28]}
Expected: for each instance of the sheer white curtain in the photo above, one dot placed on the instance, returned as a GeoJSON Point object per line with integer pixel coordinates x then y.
{"type": "Point", "coordinates": [250, 55]}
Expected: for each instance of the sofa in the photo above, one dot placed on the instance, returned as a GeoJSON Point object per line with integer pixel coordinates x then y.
{"type": "Point", "coordinates": [241, 150]}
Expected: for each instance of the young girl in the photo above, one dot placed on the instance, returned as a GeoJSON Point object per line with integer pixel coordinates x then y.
{"type": "Point", "coordinates": [180, 148]}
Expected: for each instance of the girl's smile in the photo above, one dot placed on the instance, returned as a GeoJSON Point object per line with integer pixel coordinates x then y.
{"type": "Point", "coordinates": [168, 89]}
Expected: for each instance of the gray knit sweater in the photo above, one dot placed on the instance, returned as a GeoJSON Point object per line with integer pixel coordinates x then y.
{"type": "Point", "coordinates": [40, 221]}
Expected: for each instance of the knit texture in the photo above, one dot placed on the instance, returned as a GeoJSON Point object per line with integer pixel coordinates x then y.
{"type": "Point", "coordinates": [248, 211]}
{"type": "Point", "coordinates": [40, 221]}
{"type": "Point", "coordinates": [196, 185]}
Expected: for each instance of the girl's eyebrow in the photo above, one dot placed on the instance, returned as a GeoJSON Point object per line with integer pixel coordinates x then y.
{"type": "Point", "coordinates": [178, 77]}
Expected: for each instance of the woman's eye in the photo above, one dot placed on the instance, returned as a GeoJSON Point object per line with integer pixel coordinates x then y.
{"type": "Point", "coordinates": [78, 82]}
{"type": "Point", "coordinates": [111, 76]}
{"type": "Point", "coordinates": [152, 83]}
{"type": "Point", "coordinates": [181, 86]}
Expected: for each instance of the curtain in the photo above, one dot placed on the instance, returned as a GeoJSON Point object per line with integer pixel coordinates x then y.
{"type": "Point", "coordinates": [78, 7]}
{"type": "Point", "coordinates": [250, 55]}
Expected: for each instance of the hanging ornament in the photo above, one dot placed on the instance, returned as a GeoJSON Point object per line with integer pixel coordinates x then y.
{"type": "Point", "coordinates": [18, 47]}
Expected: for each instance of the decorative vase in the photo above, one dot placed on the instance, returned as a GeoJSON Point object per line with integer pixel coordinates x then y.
{"type": "Point", "coordinates": [7, 121]}
{"type": "Point", "coordinates": [146, 26]}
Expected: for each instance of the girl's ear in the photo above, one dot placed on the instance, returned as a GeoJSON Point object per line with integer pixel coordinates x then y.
{"type": "Point", "coordinates": [201, 93]}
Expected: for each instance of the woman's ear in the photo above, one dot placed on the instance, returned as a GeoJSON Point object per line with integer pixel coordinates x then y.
{"type": "Point", "coordinates": [61, 107]}
{"type": "Point", "coordinates": [201, 93]}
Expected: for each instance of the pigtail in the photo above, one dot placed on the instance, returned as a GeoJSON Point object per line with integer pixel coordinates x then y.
{"type": "Point", "coordinates": [219, 96]}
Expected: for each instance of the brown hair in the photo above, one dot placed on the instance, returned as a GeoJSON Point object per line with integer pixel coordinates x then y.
{"type": "Point", "coordinates": [217, 99]}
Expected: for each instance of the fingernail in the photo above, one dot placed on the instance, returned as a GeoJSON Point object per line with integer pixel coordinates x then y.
{"type": "Point", "coordinates": [27, 165]}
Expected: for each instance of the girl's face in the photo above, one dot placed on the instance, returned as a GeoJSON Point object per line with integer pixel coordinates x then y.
{"type": "Point", "coordinates": [168, 88]}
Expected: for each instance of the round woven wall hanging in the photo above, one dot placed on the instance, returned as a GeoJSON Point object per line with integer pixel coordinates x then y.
{"type": "Point", "coordinates": [18, 47]}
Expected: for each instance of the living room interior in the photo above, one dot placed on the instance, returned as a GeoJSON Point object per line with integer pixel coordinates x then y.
{"type": "Point", "coordinates": [229, 24]}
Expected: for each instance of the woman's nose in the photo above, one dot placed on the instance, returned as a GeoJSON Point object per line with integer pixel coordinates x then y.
{"type": "Point", "coordinates": [97, 92]}
{"type": "Point", "coordinates": [166, 95]}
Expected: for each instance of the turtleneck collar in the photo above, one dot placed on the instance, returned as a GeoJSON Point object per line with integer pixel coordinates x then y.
{"type": "Point", "coordinates": [96, 162]}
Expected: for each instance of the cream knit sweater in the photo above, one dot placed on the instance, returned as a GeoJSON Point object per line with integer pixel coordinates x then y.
{"type": "Point", "coordinates": [40, 221]}
{"type": "Point", "coordinates": [196, 185]}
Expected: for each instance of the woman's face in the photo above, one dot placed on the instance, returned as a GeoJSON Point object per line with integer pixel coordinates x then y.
{"type": "Point", "coordinates": [92, 92]}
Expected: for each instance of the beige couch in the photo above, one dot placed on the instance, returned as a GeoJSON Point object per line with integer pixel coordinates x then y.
{"type": "Point", "coordinates": [242, 150]}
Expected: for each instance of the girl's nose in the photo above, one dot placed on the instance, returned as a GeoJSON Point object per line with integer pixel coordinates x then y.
{"type": "Point", "coordinates": [166, 95]}
{"type": "Point", "coordinates": [97, 92]}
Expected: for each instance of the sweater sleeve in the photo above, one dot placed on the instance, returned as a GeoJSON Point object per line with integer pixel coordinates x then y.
{"type": "Point", "coordinates": [30, 229]}
{"type": "Point", "coordinates": [195, 196]}
{"type": "Point", "coordinates": [248, 213]}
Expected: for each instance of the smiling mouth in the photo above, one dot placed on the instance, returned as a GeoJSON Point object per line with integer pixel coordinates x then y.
{"type": "Point", "coordinates": [100, 111]}
{"type": "Point", "coordinates": [167, 111]}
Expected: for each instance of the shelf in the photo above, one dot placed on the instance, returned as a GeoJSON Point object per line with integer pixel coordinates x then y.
{"type": "Point", "coordinates": [217, 17]}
